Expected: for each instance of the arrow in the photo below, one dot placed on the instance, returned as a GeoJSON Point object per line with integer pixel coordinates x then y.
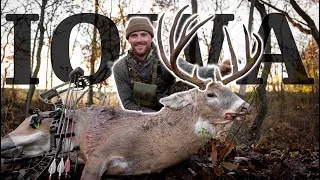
{"type": "Point", "coordinates": [52, 168]}
{"type": "Point", "coordinates": [60, 168]}
{"type": "Point", "coordinates": [67, 166]}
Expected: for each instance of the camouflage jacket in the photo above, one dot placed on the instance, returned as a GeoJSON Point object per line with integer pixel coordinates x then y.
{"type": "Point", "coordinates": [124, 79]}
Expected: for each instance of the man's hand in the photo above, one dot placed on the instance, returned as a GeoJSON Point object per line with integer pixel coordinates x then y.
{"type": "Point", "coordinates": [225, 68]}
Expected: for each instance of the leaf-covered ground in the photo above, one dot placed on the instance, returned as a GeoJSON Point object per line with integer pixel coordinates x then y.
{"type": "Point", "coordinates": [257, 163]}
{"type": "Point", "coordinates": [245, 163]}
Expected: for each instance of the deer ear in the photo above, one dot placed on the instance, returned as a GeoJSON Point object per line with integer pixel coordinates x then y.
{"type": "Point", "coordinates": [179, 100]}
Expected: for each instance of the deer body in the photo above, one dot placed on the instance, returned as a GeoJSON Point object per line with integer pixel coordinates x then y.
{"type": "Point", "coordinates": [141, 144]}
{"type": "Point", "coordinates": [118, 142]}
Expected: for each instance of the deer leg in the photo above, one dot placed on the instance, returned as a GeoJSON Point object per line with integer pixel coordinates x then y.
{"type": "Point", "coordinates": [31, 144]}
{"type": "Point", "coordinates": [7, 143]}
{"type": "Point", "coordinates": [12, 153]}
{"type": "Point", "coordinates": [118, 166]}
{"type": "Point", "coordinates": [93, 169]}
{"type": "Point", "coordinates": [23, 140]}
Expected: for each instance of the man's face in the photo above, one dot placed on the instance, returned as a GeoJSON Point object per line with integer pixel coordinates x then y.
{"type": "Point", "coordinates": [140, 42]}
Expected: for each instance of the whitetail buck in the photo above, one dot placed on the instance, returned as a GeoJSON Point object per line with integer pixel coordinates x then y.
{"type": "Point", "coordinates": [117, 142]}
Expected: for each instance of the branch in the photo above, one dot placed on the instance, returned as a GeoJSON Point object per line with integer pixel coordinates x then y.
{"type": "Point", "coordinates": [297, 25]}
{"type": "Point", "coordinates": [3, 6]}
{"type": "Point", "coordinates": [306, 17]}
{"type": "Point", "coordinates": [52, 4]}
{"type": "Point", "coordinates": [5, 46]}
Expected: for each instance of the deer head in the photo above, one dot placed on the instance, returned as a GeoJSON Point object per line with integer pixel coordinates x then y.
{"type": "Point", "coordinates": [215, 93]}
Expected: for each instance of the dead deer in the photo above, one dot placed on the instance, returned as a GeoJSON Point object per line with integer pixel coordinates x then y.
{"type": "Point", "coordinates": [119, 142]}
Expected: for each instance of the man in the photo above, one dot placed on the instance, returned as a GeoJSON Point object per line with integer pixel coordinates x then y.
{"type": "Point", "coordinates": [141, 78]}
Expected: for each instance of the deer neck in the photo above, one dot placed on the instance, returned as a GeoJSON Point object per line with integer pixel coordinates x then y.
{"type": "Point", "coordinates": [199, 128]}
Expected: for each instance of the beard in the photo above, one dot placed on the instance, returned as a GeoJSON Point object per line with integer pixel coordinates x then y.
{"type": "Point", "coordinates": [141, 48]}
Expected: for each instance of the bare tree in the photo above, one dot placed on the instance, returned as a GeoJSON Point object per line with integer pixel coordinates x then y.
{"type": "Point", "coordinates": [40, 44]}
{"type": "Point", "coordinates": [3, 77]}
{"type": "Point", "coordinates": [6, 33]}
{"type": "Point", "coordinates": [6, 44]}
{"type": "Point", "coordinates": [312, 29]}
{"type": "Point", "coordinates": [93, 54]}
{"type": "Point", "coordinates": [121, 21]}
{"type": "Point", "coordinates": [310, 56]}
{"type": "Point", "coordinates": [253, 135]}
{"type": "Point", "coordinates": [41, 29]}
{"type": "Point", "coordinates": [49, 26]}
{"type": "Point", "coordinates": [243, 87]}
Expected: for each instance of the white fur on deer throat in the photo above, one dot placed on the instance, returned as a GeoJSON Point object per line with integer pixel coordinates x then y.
{"type": "Point", "coordinates": [203, 128]}
{"type": "Point", "coordinates": [36, 138]}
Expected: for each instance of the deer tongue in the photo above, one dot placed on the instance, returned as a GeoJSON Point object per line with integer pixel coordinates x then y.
{"type": "Point", "coordinates": [235, 116]}
{"type": "Point", "coordinates": [230, 116]}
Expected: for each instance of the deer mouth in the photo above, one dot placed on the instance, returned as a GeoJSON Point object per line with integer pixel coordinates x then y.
{"type": "Point", "coordinates": [235, 116]}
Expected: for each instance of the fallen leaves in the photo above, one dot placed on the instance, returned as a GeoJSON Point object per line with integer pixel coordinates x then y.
{"type": "Point", "coordinates": [262, 161]}
{"type": "Point", "coordinates": [219, 152]}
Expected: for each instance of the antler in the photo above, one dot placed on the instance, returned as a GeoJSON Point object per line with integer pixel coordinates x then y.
{"type": "Point", "coordinates": [250, 60]}
{"type": "Point", "coordinates": [175, 51]}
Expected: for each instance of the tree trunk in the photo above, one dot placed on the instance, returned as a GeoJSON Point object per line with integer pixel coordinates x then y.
{"type": "Point", "coordinates": [4, 79]}
{"type": "Point", "coordinates": [5, 46]}
{"type": "Point", "coordinates": [243, 87]}
{"type": "Point", "coordinates": [194, 6]}
{"type": "Point", "coordinates": [47, 68]}
{"type": "Point", "coordinates": [242, 92]}
{"type": "Point", "coordinates": [13, 93]}
{"type": "Point", "coordinates": [254, 133]}
{"type": "Point", "coordinates": [282, 96]}
{"type": "Point", "coordinates": [93, 56]}
{"type": "Point", "coordinates": [36, 71]}
{"type": "Point", "coordinates": [51, 79]}
{"type": "Point", "coordinates": [34, 46]}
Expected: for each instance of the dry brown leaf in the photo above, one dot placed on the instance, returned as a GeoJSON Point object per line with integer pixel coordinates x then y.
{"type": "Point", "coordinates": [230, 166]}
{"type": "Point", "coordinates": [214, 156]}
{"type": "Point", "coordinates": [226, 150]}
{"type": "Point", "coordinates": [217, 171]}
{"type": "Point", "coordinates": [250, 166]}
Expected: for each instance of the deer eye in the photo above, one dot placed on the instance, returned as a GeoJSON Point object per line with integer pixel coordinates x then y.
{"type": "Point", "coordinates": [211, 95]}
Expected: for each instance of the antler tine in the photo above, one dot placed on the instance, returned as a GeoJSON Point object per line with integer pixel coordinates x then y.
{"type": "Point", "coordinates": [218, 75]}
{"type": "Point", "coordinates": [171, 36]}
{"type": "Point", "coordinates": [234, 63]}
{"type": "Point", "coordinates": [186, 26]}
{"type": "Point", "coordinates": [174, 52]}
{"type": "Point", "coordinates": [182, 42]}
{"type": "Point", "coordinates": [185, 38]}
{"type": "Point", "coordinates": [173, 28]}
{"type": "Point", "coordinates": [259, 48]}
{"type": "Point", "coordinates": [250, 61]}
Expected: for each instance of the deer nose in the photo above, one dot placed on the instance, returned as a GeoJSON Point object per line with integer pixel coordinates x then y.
{"type": "Point", "coordinates": [246, 108]}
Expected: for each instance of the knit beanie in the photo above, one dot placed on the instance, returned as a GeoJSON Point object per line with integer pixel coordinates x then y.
{"type": "Point", "coordinates": [139, 24]}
